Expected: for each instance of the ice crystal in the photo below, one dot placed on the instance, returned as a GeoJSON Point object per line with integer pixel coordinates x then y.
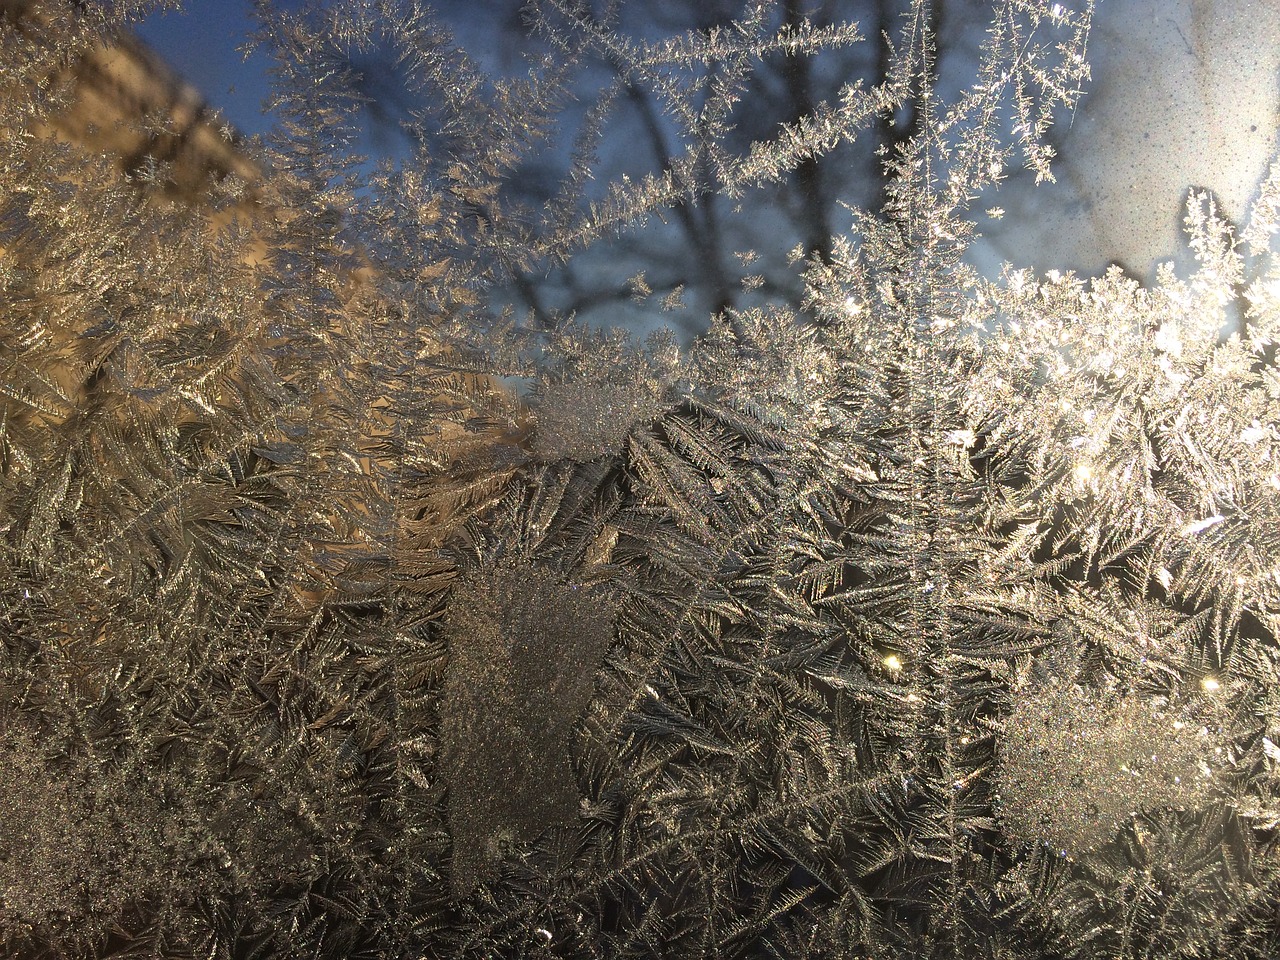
{"type": "Point", "coordinates": [586, 419]}
{"type": "Point", "coordinates": [1075, 765]}
{"type": "Point", "coordinates": [601, 391]}
{"type": "Point", "coordinates": [358, 597]}
{"type": "Point", "coordinates": [524, 646]}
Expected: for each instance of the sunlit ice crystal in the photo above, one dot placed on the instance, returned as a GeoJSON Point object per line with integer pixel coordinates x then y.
{"type": "Point", "coordinates": [1076, 763]}
{"type": "Point", "coordinates": [587, 419]}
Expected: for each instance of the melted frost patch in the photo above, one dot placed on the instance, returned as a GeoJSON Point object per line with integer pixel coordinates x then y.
{"type": "Point", "coordinates": [524, 646]}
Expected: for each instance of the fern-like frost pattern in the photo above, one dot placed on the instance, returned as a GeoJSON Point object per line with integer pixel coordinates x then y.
{"type": "Point", "coordinates": [358, 599]}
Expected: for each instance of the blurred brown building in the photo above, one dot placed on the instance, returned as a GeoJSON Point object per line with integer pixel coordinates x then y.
{"type": "Point", "coordinates": [123, 102]}
{"type": "Point", "coordinates": [127, 102]}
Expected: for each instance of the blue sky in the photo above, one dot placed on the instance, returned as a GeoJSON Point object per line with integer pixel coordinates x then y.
{"type": "Point", "coordinates": [1166, 112]}
{"type": "Point", "coordinates": [202, 43]}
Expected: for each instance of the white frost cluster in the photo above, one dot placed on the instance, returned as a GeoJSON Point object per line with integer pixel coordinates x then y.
{"type": "Point", "coordinates": [1075, 764]}
{"type": "Point", "coordinates": [584, 420]}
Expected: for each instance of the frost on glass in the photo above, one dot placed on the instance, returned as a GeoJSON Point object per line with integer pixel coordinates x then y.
{"type": "Point", "coordinates": [524, 648]}
{"type": "Point", "coordinates": [354, 601]}
{"type": "Point", "coordinates": [600, 390]}
{"type": "Point", "coordinates": [1075, 764]}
